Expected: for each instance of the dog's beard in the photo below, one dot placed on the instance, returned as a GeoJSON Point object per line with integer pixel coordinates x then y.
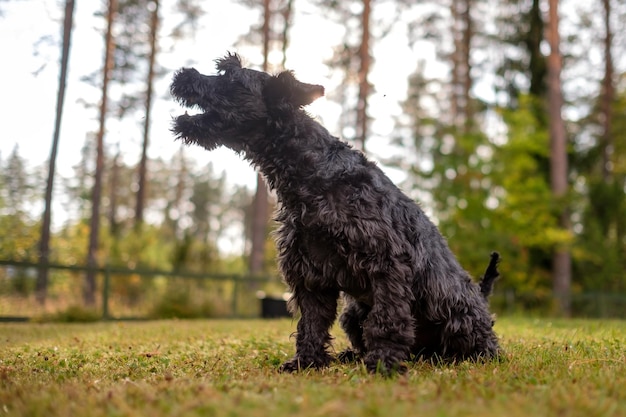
{"type": "Point", "coordinates": [196, 129]}
{"type": "Point", "coordinates": [210, 132]}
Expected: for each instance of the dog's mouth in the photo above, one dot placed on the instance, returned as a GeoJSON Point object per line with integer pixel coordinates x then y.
{"type": "Point", "coordinates": [192, 106]}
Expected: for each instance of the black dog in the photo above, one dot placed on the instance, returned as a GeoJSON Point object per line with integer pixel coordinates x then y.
{"type": "Point", "coordinates": [344, 228]}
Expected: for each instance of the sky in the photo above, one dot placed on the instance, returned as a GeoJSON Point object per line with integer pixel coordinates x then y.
{"type": "Point", "coordinates": [31, 33]}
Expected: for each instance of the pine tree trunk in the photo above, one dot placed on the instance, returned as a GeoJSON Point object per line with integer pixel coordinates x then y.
{"type": "Point", "coordinates": [287, 12]}
{"type": "Point", "coordinates": [561, 261]}
{"type": "Point", "coordinates": [608, 92]}
{"type": "Point", "coordinates": [456, 60]}
{"type": "Point", "coordinates": [461, 84]}
{"type": "Point", "coordinates": [468, 33]}
{"type": "Point", "coordinates": [141, 190]}
{"type": "Point", "coordinates": [115, 177]}
{"type": "Point", "coordinates": [89, 290]}
{"type": "Point", "coordinates": [260, 204]}
{"type": "Point", "coordinates": [181, 185]}
{"type": "Point", "coordinates": [533, 44]}
{"type": "Point", "coordinates": [364, 69]}
{"type": "Point", "coordinates": [44, 243]}
{"type": "Point", "coordinates": [260, 216]}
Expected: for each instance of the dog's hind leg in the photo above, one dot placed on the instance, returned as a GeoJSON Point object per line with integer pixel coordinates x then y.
{"type": "Point", "coordinates": [351, 320]}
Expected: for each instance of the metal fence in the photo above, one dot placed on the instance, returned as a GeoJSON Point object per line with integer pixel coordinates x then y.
{"type": "Point", "coordinates": [124, 293]}
{"type": "Point", "coordinates": [583, 304]}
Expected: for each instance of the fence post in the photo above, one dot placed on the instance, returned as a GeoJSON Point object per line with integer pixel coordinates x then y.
{"type": "Point", "coordinates": [105, 293]}
{"type": "Point", "coordinates": [235, 295]}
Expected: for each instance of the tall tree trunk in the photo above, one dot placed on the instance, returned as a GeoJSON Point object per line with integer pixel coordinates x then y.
{"type": "Point", "coordinates": [287, 12]}
{"type": "Point", "coordinates": [608, 92]}
{"type": "Point", "coordinates": [267, 17]}
{"type": "Point", "coordinates": [456, 59]}
{"type": "Point", "coordinates": [533, 40]}
{"type": "Point", "coordinates": [260, 217]}
{"type": "Point", "coordinates": [561, 261]}
{"type": "Point", "coordinates": [468, 33]}
{"type": "Point", "coordinates": [462, 32]}
{"type": "Point", "coordinates": [141, 191]}
{"type": "Point", "coordinates": [115, 177]}
{"type": "Point", "coordinates": [260, 205]}
{"type": "Point", "coordinates": [364, 69]}
{"type": "Point", "coordinates": [89, 291]}
{"type": "Point", "coordinates": [181, 185]}
{"type": "Point", "coordinates": [44, 243]}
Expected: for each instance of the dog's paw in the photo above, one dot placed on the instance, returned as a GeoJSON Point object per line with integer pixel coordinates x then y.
{"type": "Point", "coordinates": [386, 366]}
{"type": "Point", "coordinates": [300, 364]}
{"type": "Point", "coordinates": [290, 366]}
{"type": "Point", "coordinates": [348, 356]}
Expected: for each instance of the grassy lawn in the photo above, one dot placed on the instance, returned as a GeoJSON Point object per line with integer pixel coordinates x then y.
{"type": "Point", "coordinates": [228, 368]}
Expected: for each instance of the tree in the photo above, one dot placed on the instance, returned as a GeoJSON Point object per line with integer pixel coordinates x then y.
{"type": "Point", "coordinates": [272, 37]}
{"type": "Point", "coordinates": [113, 193]}
{"type": "Point", "coordinates": [449, 161]}
{"type": "Point", "coordinates": [525, 166]}
{"type": "Point", "coordinates": [561, 261]}
{"type": "Point", "coordinates": [17, 186]}
{"type": "Point", "coordinates": [177, 184]}
{"type": "Point", "coordinates": [365, 59]}
{"type": "Point", "coordinates": [461, 79]}
{"type": "Point", "coordinates": [260, 203]}
{"type": "Point", "coordinates": [90, 279]}
{"type": "Point", "coordinates": [601, 211]}
{"type": "Point", "coordinates": [608, 93]}
{"type": "Point", "coordinates": [141, 190]}
{"type": "Point", "coordinates": [44, 243]}
{"type": "Point", "coordinates": [353, 59]}
{"type": "Point", "coordinates": [20, 235]}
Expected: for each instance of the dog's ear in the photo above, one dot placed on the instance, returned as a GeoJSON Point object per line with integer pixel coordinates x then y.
{"type": "Point", "coordinates": [287, 89]}
{"type": "Point", "coordinates": [230, 62]}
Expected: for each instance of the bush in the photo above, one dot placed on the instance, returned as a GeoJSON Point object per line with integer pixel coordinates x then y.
{"type": "Point", "coordinates": [74, 314]}
{"type": "Point", "coordinates": [179, 303]}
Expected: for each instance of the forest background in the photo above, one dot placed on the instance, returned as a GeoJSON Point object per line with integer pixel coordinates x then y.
{"type": "Point", "coordinates": [506, 120]}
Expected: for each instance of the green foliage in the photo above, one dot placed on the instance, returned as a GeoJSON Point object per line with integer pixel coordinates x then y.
{"type": "Point", "coordinates": [450, 175]}
{"type": "Point", "coordinates": [138, 248]}
{"type": "Point", "coordinates": [74, 314]}
{"type": "Point", "coordinates": [524, 216]}
{"type": "Point", "coordinates": [188, 211]}
{"type": "Point", "coordinates": [69, 245]}
{"type": "Point", "coordinates": [482, 175]}
{"type": "Point", "coordinates": [20, 237]}
{"type": "Point", "coordinates": [17, 189]}
{"type": "Point", "coordinates": [601, 248]}
{"type": "Point", "coordinates": [20, 233]}
{"type": "Point", "coordinates": [229, 367]}
{"type": "Point", "coordinates": [186, 302]}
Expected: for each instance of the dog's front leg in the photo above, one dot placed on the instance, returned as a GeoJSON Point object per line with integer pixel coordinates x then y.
{"type": "Point", "coordinates": [318, 312]}
{"type": "Point", "coordinates": [389, 330]}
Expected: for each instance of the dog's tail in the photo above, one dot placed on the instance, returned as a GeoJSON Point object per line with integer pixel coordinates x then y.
{"type": "Point", "coordinates": [491, 273]}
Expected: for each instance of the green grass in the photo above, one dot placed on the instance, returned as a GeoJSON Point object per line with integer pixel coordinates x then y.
{"type": "Point", "coordinates": [229, 368]}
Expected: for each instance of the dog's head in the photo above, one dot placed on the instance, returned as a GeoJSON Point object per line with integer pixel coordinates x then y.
{"type": "Point", "coordinates": [235, 104]}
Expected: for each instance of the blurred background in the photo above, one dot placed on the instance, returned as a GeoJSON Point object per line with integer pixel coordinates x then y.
{"type": "Point", "coordinates": [506, 120]}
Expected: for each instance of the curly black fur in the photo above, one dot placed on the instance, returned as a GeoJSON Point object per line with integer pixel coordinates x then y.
{"type": "Point", "coordinates": [345, 228]}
